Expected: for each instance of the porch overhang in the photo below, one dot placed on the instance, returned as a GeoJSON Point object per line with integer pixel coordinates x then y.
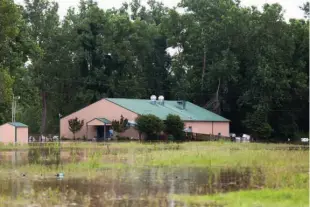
{"type": "Point", "coordinates": [99, 122]}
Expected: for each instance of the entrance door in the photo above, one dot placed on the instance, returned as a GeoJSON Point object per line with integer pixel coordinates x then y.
{"type": "Point", "coordinates": [100, 133]}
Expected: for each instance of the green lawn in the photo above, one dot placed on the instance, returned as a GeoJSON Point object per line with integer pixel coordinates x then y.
{"type": "Point", "coordinates": [252, 198]}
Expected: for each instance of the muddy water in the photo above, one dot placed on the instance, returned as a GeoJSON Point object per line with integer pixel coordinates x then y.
{"type": "Point", "coordinates": [131, 187]}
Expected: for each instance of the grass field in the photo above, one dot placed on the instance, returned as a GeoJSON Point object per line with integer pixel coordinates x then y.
{"type": "Point", "coordinates": [276, 174]}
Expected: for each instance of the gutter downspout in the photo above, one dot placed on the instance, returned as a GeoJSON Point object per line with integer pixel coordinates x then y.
{"type": "Point", "coordinates": [212, 128]}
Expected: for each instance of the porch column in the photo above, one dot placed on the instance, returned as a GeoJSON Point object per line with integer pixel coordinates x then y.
{"type": "Point", "coordinates": [105, 129]}
{"type": "Point", "coordinates": [87, 132]}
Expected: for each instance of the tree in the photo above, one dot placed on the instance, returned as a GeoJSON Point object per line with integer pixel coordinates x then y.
{"type": "Point", "coordinates": [75, 125]}
{"type": "Point", "coordinates": [246, 64]}
{"type": "Point", "coordinates": [174, 126]}
{"type": "Point", "coordinates": [15, 47]}
{"type": "Point", "coordinates": [121, 125]}
{"type": "Point", "coordinates": [305, 8]}
{"type": "Point", "coordinates": [252, 74]}
{"type": "Point", "coordinates": [43, 30]}
{"type": "Point", "coordinates": [6, 93]}
{"type": "Point", "coordinates": [150, 125]}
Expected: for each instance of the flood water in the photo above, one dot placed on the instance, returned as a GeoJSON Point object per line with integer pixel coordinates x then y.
{"type": "Point", "coordinates": [149, 186]}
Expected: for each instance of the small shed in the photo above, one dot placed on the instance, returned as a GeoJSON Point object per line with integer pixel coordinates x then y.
{"type": "Point", "coordinates": [14, 132]}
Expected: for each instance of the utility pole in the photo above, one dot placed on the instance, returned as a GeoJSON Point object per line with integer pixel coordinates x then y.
{"type": "Point", "coordinates": [59, 116]}
{"type": "Point", "coordinates": [13, 109]}
{"type": "Point", "coordinates": [14, 103]}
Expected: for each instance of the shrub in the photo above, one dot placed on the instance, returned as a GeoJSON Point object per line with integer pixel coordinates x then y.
{"type": "Point", "coordinates": [150, 125]}
{"type": "Point", "coordinates": [170, 138]}
{"type": "Point", "coordinates": [121, 125]}
{"type": "Point", "coordinates": [75, 125]}
{"type": "Point", "coordinates": [174, 126]}
{"type": "Point", "coordinates": [121, 138]}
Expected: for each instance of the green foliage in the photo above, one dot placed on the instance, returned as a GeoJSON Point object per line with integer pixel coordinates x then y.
{"type": "Point", "coordinates": [305, 8]}
{"type": "Point", "coordinates": [249, 65]}
{"type": "Point", "coordinates": [6, 93]}
{"type": "Point", "coordinates": [75, 125]}
{"type": "Point", "coordinates": [121, 125]}
{"type": "Point", "coordinates": [251, 76]}
{"type": "Point", "coordinates": [174, 126]}
{"type": "Point", "coordinates": [170, 138]}
{"type": "Point", "coordinates": [150, 125]}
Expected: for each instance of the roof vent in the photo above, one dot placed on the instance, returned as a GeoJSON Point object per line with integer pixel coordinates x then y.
{"type": "Point", "coordinates": [153, 99]}
{"type": "Point", "coordinates": [161, 100]}
{"type": "Point", "coordinates": [182, 104]}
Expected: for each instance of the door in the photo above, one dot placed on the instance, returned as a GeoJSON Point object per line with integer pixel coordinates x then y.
{"type": "Point", "coordinates": [100, 133]}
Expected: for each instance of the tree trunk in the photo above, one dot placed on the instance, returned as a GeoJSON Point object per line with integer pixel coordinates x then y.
{"type": "Point", "coordinates": [217, 107]}
{"type": "Point", "coordinates": [218, 88]}
{"type": "Point", "coordinates": [44, 111]}
{"type": "Point", "coordinates": [203, 68]}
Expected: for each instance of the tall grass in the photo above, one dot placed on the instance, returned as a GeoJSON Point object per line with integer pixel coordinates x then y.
{"type": "Point", "coordinates": [279, 166]}
{"type": "Point", "coordinates": [266, 198]}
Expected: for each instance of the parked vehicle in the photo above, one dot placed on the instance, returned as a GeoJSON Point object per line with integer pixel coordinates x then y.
{"type": "Point", "coordinates": [304, 140]}
{"type": "Point", "coordinates": [240, 138]}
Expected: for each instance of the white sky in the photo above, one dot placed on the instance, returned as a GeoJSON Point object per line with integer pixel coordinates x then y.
{"type": "Point", "coordinates": [290, 6]}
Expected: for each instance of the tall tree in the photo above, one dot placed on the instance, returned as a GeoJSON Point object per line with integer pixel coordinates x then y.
{"type": "Point", "coordinates": [43, 23]}
{"type": "Point", "coordinates": [15, 46]}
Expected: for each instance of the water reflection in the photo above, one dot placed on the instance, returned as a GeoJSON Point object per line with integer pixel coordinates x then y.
{"type": "Point", "coordinates": [134, 187]}
{"type": "Point", "coordinates": [43, 156]}
{"type": "Point", "coordinates": [114, 187]}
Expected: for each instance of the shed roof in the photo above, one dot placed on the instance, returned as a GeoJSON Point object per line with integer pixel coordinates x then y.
{"type": "Point", "coordinates": [103, 120]}
{"type": "Point", "coordinates": [17, 124]}
{"type": "Point", "coordinates": [191, 112]}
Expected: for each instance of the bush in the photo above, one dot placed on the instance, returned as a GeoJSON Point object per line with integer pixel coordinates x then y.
{"type": "Point", "coordinates": [75, 125]}
{"type": "Point", "coordinates": [174, 126]}
{"type": "Point", "coordinates": [170, 138]}
{"type": "Point", "coordinates": [121, 138]}
{"type": "Point", "coordinates": [121, 125]}
{"type": "Point", "coordinates": [150, 125]}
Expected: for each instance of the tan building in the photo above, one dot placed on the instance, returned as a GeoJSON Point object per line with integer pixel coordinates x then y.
{"type": "Point", "coordinates": [99, 116]}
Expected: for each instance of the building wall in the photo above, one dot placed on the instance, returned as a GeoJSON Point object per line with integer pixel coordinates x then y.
{"type": "Point", "coordinates": [95, 122]}
{"type": "Point", "coordinates": [102, 108]}
{"type": "Point", "coordinates": [22, 134]}
{"type": "Point", "coordinates": [221, 127]}
{"type": "Point", "coordinates": [91, 132]}
{"type": "Point", "coordinates": [7, 133]}
{"type": "Point", "coordinates": [209, 127]}
{"type": "Point", "coordinates": [111, 111]}
{"type": "Point", "coordinates": [131, 132]}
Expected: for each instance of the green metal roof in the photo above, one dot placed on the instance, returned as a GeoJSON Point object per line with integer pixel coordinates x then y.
{"type": "Point", "coordinates": [191, 112]}
{"type": "Point", "coordinates": [18, 124]}
{"type": "Point", "coordinates": [104, 120]}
